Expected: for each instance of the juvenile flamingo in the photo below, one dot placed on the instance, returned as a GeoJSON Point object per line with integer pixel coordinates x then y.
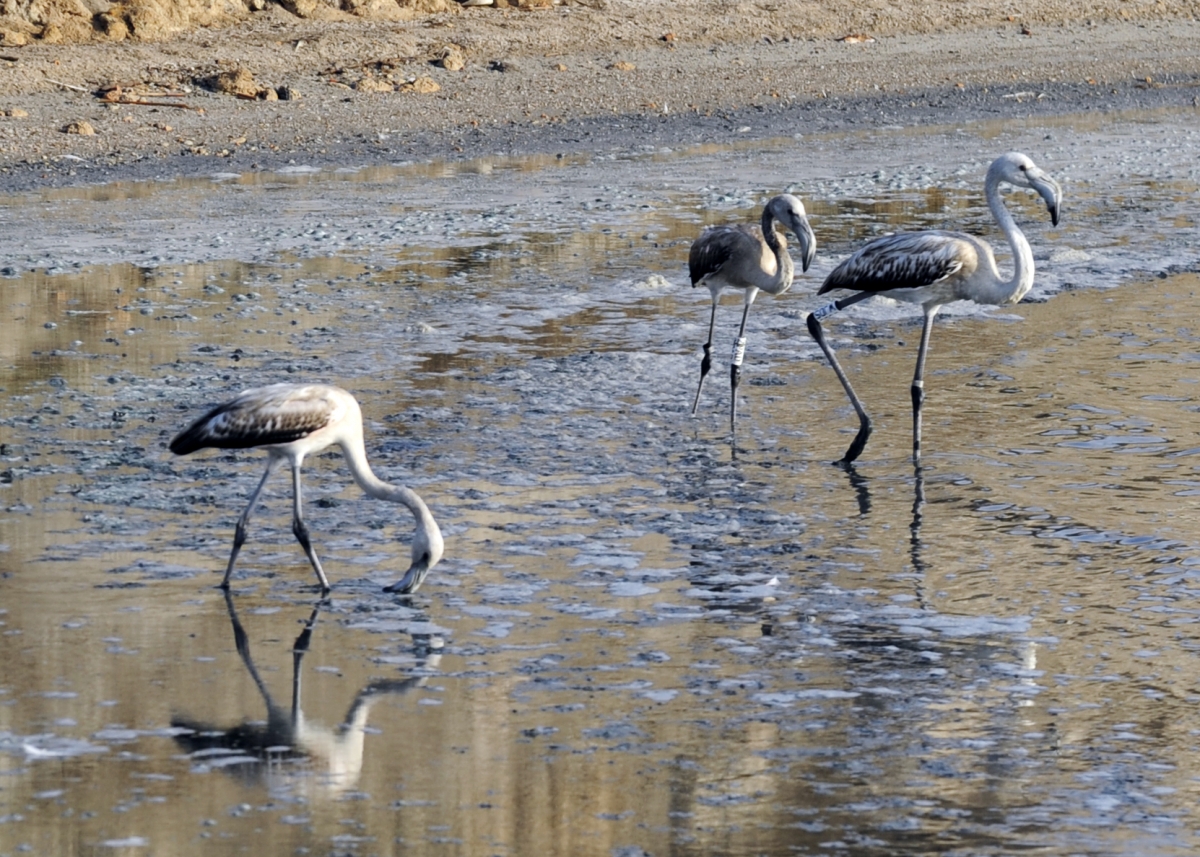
{"type": "Point", "coordinates": [289, 421]}
{"type": "Point", "coordinates": [933, 268]}
{"type": "Point", "coordinates": [750, 259]}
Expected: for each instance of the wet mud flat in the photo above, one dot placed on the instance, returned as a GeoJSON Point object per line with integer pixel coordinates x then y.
{"type": "Point", "coordinates": [644, 638]}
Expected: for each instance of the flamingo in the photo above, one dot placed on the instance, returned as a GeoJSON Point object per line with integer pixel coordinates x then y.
{"type": "Point", "coordinates": [933, 268]}
{"type": "Point", "coordinates": [742, 257]}
{"type": "Point", "coordinates": [289, 421]}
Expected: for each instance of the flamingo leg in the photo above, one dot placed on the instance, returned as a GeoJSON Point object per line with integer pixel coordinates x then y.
{"type": "Point", "coordinates": [818, 333]}
{"type": "Point", "coordinates": [300, 529]}
{"type": "Point", "coordinates": [706, 362]}
{"type": "Point", "coordinates": [735, 365]}
{"type": "Point", "coordinates": [918, 384]}
{"type": "Point", "coordinates": [239, 534]}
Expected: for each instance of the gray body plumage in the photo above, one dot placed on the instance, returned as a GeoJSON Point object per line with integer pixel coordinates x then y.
{"type": "Point", "coordinates": [738, 257]}
{"type": "Point", "coordinates": [753, 258]}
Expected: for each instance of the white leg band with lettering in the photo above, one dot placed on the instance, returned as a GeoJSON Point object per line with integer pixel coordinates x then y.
{"type": "Point", "coordinates": [739, 352]}
{"type": "Point", "coordinates": [825, 311]}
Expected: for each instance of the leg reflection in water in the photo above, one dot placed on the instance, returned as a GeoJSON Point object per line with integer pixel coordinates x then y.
{"type": "Point", "coordinates": [915, 546]}
{"type": "Point", "coordinates": [280, 747]}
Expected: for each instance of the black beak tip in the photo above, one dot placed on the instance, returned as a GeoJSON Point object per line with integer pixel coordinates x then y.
{"type": "Point", "coordinates": [411, 581]}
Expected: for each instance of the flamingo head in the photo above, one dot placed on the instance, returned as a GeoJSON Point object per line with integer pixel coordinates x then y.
{"type": "Point", "coordinates": [1021, 171]}
{"type": "Point", "coordinates": [789, 211]}
{"type": "Point", "coordinates": [427, 547]}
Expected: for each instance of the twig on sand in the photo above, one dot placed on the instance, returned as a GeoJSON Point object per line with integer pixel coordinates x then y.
{"type": "Point", "coordinates": [118, 95]}
{"type": "Point", "coordinates": [143, 103]}
{"type": "Point", "coordinates": [68, 85]}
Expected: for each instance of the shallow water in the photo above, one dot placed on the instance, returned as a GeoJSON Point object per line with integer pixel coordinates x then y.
{"type": "Point", "coordinates": [643, 638]}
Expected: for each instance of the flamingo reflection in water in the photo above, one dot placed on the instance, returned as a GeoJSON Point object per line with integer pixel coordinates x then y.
{"type": "Point", "coordinates": [256, 750]}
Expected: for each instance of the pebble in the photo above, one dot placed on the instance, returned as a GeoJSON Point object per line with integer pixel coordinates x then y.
{"type": "Point", "coordinates": [423, 85]}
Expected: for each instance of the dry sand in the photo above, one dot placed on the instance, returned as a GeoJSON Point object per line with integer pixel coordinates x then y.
{"type": "Point", "coordinates": [607, 75]}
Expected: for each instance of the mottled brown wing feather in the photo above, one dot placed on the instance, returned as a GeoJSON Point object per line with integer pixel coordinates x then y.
{"type": "Point", "coordinates": [260, 417]}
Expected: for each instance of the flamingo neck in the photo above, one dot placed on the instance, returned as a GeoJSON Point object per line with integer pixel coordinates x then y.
{"type": "Point", "coordinates": [1013, 289]}
{"type": "Point", "coordinates": [356, 457]}
{"type": "Point", "coordinates": [784, 269]}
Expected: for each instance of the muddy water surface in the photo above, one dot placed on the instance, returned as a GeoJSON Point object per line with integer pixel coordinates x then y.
{"type": "Point", "coordinates": [644, 638]}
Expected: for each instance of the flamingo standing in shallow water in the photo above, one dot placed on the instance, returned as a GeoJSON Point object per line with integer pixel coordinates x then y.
{"type": "Point", "coordinates": [750, 259]}
{"type": "Point", "coordinates": [933, 268]}
{"type": "Point", "coordinates": [289, 421]}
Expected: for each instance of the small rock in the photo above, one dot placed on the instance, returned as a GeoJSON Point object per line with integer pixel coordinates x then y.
{"type": "Point", "coordinates": [452, 58]}
{"type": "Point", "coordinates": [559, 67]}
{"type": "Point", "coordinates": [374, 84]}
{"type": "Point", "coordinates": [301, 8]}
{"type": "Point", "coordinates": [239, 82]}
{"type": "Point", "coordinates": [113, 26]}
{"type": "Point", "coordinates": [13, 38]}
{"type": "Point", "coordinates": [622, 65]}
{"type": "Point", "coordinates": [268, 94]}
{"type": "Point", "coordinates": [82, 127]}
{"type": "Point", "coordinates": [17, 113]}
{"type": "Point", "coordinates": [423, 85]}
{"type": "Point", "coordinates": [49, 325]}
{"type": "Point", "coordinates": [503, 66]}
{"type": "Point", "coordinates": [287, 93]}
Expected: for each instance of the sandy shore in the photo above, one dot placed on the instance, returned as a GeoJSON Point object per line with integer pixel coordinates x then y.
{"type": "Point", "coordinates": [569, 79]}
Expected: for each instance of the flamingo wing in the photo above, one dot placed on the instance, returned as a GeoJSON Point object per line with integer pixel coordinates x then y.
{"type": "Point", "coordinates": [722, 249]}
{"type": "Point", "coordinates": [264, 416]}
{"type": "Point", "coordinates": [904, 260]}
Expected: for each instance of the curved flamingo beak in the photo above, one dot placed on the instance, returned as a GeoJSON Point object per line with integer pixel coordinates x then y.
{"type": "Point", "coordinates": [808, 241]}
{"type": "Point", "coordinates": [413, 578]}
{"type": "Point", "coordinates": [1049, 190]}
